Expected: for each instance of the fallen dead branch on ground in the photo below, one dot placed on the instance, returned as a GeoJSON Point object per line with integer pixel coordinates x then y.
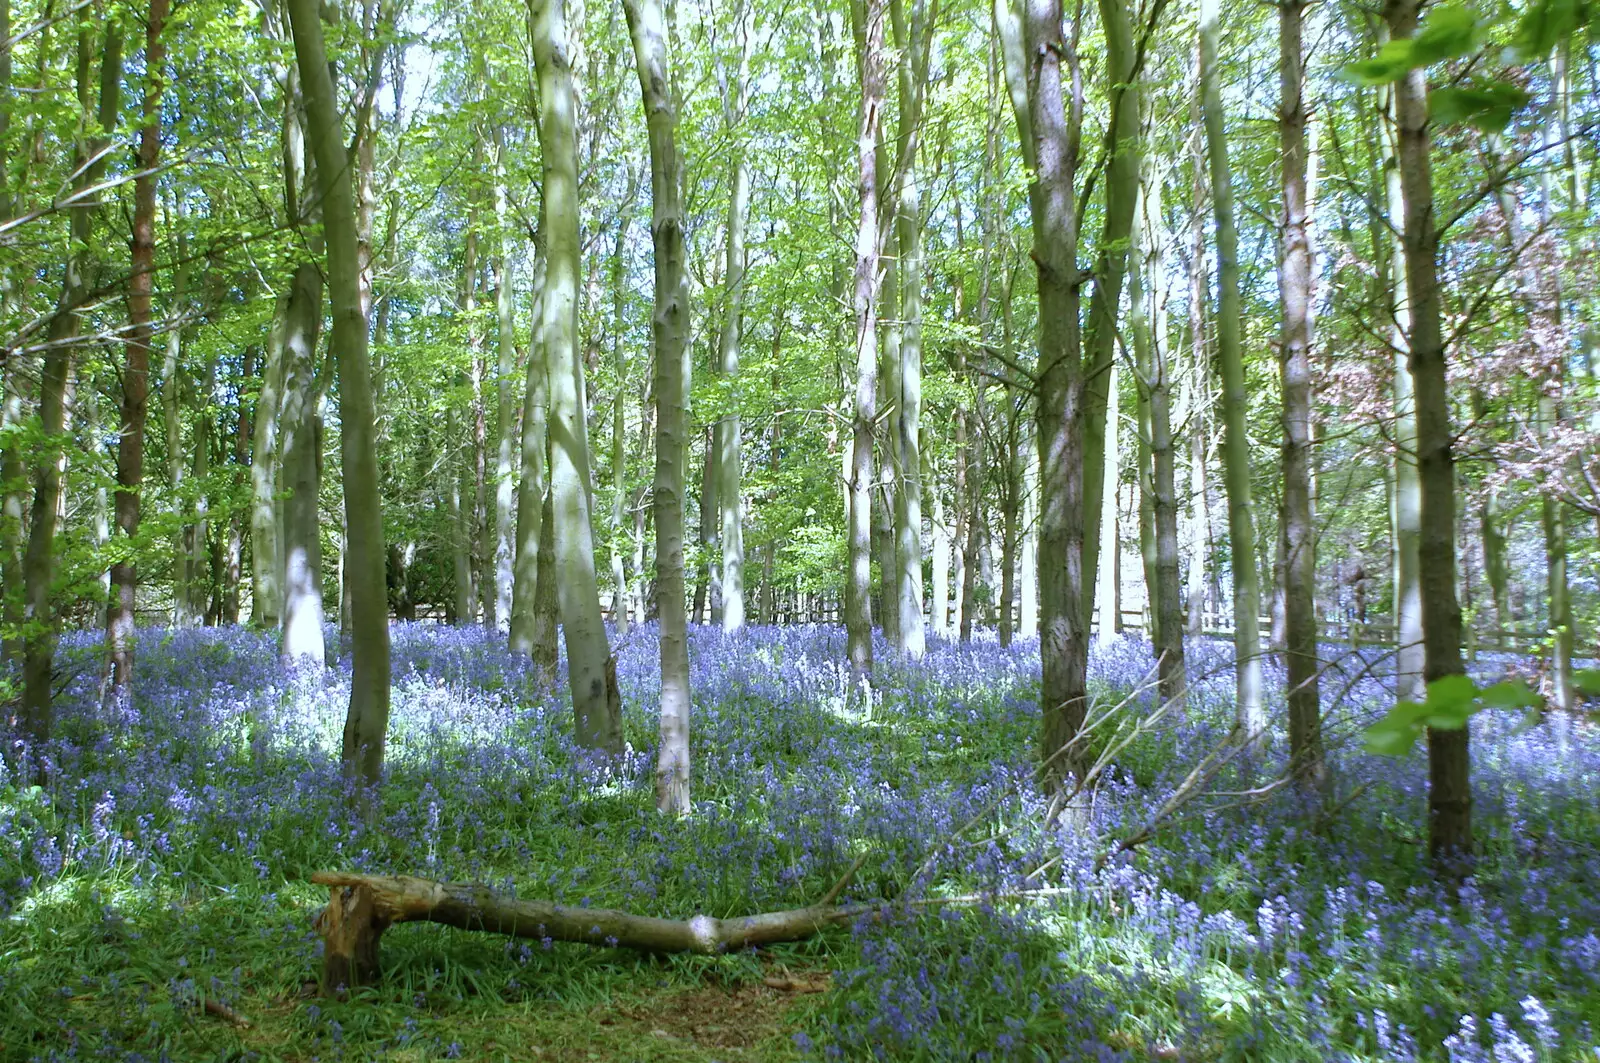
{"type": "Point", "coordinates": [362, 907]}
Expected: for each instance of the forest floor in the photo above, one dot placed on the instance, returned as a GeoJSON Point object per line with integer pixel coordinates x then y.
{"type": "Point", "coordinates": [154, 894]}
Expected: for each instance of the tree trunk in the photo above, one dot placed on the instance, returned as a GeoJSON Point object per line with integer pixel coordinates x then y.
{"type": "Point", "coordinates": [972, 504]}
{"type": "Point", "coordinates": [939, 547]}
{"type": "Point", "coordinates": [729, 458]}
{"type": "Point", "coordinates": [858, 588]}
{"type": "Point", "coordinates": [1298, 537]}
{"type": "Point", "coordinates": [266, 560]}
{"type": "Point", "coordinates": [619, 427]}
{"type": "Point", "coordinates": [233, 551]}
{"type": "Point", "coordinates": [505, 471]}
{"type": "Point", "coordinates": [596, 708]}
{"type": "Point", "coordinates": [1028, 554]}
{"type": "Point", "coordinates": [136, 372]}
{"type": "Point", "coordinates": [302, 539]}
{"type": "Point", "coordinates": [532, 531]}
{"type": "Point", "coordinates": [909, 40]}
{"type": "Point", "coordinates": [1196, 382]}
{"type": "Point", "coordinates": [12, 479]}
{"type": "Point", "coordinates": [38, 566]}
{"type": "Point", "coordinates": [1108, 598]}
{"type": "Point", "coordinates": [1449, 779]}
{"type": "Point", "coordinates": [1122, 188]}
{"type": "Point", "coordinates": [1166, 601]}
{"type": "Point", "coordinates": [367, 720]}
{"type": "Point", "coordinates": [1250, 718]}
{"type": "Point", "coordinates": [669, 329]}
{"type": "Point", "coordinates": [1049, 117]}
{"type": "Point", "coordinates": [197, 535]}
{"type": "Point", "coordinates": [1407, 487]}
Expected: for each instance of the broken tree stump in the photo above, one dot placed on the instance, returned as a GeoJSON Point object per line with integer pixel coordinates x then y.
{"type": "Point", "coordinates": [362, 907]}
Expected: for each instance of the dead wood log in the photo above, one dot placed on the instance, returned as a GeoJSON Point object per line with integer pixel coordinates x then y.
{"type": "Point", "coordinates": [362, 907]}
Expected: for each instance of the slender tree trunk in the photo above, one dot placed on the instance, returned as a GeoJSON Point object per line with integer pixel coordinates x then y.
{"type": "Point", "coordinates": [940, 549]}
{"type": "Point", "coordinates": [596, 705]}
{"type": "Point", "coordinates": [233, 550]}
{"type": "Point", "coordinates": [12, 482]}
{"type": "Point", "coordinates": [1108, 598]}
{"type": "Point", "coordinates": [1166, 601]}
{"type": "Point", "coordinates": [1028, 555]}
{"type": "Point", "coordinates": [367, 720]}
{"type": "Point", "coordinates": [1407, 485]}
{"type": "Point", "coordinates": [670, 339]}
{"type": "Point", "coordinates": [302, 539]}
{"type": "Point", "coordinates": [505, 471]}
{"type": "Point", "coordinates": [38, 567]}
{"type": "Point", "coordinates": [266, 561]}
{"type": "Point", "coordinates": [1449, 778]}
{"type": "Point", "coordinates": [729, 457]}
{"type": "Point", "coordinates": [1298, 538]}
{"type": "Point", "coordinates": [197, 535]}
{"type": "Point", "coordinates": [977, 474]}
{"type": "Point", "coordinates": [172, 388]}
{"type": "Point", "coordinates": [858, 588]}
{"type": "Point", "coordinates": [910, 628]}
{"type": "Point", "coordinates": [1049, 117]}
{"type": "Point", "coordinates": [619, 427]}
{"type": "Point", "coordinates": [1250, 714]}
{"type": "Point", "coordinates": [1196, 381]}
{"type": "Point", "coordinates": [136, 371]}
{"type": "Point", "coordinates": [1122, 186]}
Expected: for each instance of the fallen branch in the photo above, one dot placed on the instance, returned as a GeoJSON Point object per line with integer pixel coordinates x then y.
{"type": "Point", "coordinates": [218, 1009]}
{"type": "Point", "coordinates": [362, 907]}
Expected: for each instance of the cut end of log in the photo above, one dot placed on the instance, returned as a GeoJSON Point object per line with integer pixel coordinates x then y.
{"type": "Point", "coordinates": [351, 926]}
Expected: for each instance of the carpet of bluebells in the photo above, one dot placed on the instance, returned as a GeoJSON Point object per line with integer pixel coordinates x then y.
{"type": "Point", "coordinates": [163, 865]}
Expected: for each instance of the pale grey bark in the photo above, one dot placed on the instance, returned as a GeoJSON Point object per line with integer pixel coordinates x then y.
{"type": "Point", "coordinates": [939, 548]}
{"type": "Point", "coordinates": [1108, 595]}
{"type": "Point", "coordinates": [858, 587]}
{"type": "Point", "coordinates": [301, 528]}
{"type": "Point", "coordinates": [505, 465]}
{"type": "Point", "coordinates": [1297, 540]}
{"type": "Point", "coordinates": [1154, 358]}
{"type": "Point", "coordinates": [1049, 106]}
{"type": "Point", "coordinates": [736, 102]}
{"type": "Point", "coordinates": [596, 706]}
{"type": "Point", "coordinates": [670, 334]}
{"type": "Point", "coordinates": [619, 428]}
{"type": "Point", "coordinates": [1121, 179]}
{"type": "Point", "coordinates": [1407, 484]}
{"type": "Point", "coordinates": [266, 564]}
{"type": "Point", "coordinates": [1249, 711]}
{"type": "Point", "coordinates": [367, 719]}
{"type": "Point", "coordinates": [911, 41]}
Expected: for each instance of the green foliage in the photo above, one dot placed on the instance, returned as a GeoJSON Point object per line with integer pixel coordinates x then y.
{"type": "Point", "coordinates": [1547, 23]}
{"type": "Point", "coordinates": [1451, 701]}
{"type": "Point", "coordinates": [1448, 31]}
{"type": "Point", "coordinates": [1487, 106]}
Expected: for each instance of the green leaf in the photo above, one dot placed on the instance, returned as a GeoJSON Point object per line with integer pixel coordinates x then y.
{"type": "Point", "coordinates": [1391, 743]}
{"type": "Point", "coordinates": [1512, 694]}
{"type": "Point", "coordinates": [1451, 693]}
{"type": "Point", "coordinates": [1545, 24]}
{"type": "Point", "coordinates": [1587, 682]}
{"type": "Point", "coordinates": [1447, 31]}
{"type": "Point", "coordinates": [1390, 64]}
{"type": "Point", "coordinates": [1486, 107]}
{"type": "Point", "coordinates": [1395, 733]}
